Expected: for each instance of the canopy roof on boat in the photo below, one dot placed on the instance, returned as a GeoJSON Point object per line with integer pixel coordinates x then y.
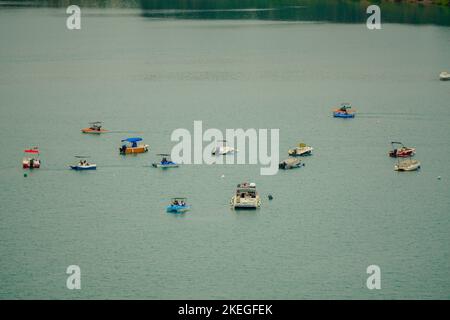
{"type": "Point", "coordinates": [132, 140]}
{"type": "Point", "coordinates": [163, 154]}
{"type": "Point", "coordinates": [34, 150]}
{"type": "Point", "coordinates": [95, 122]}
{"type": "Point", "coordinates": [82, 157]}
{"type": "Point", "coordinates": [397, 142]}
{"type": "Point", "coordinates": [179, 198]}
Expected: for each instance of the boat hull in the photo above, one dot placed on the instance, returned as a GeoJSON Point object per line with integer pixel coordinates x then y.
{"type": "Point", "coordinates": [241, 204]}
{"type": "Point", "coordinates": [340, 114]}
{"type": "Point", "coordinates": [165, 166]}
{"type": "Point", "coordinates": [407, 165]}
{"type": "Point", "coordinates": [84, 168]}
{"type": "Point", "coordinates": [26, 165]}
{"type": "Point", "coordinates": [177, 209]}
{"type": "Point", "coordinates": [92, 131]}
{"type": "Point", "coordinates": [402, 153]}
{"type": "Point", "coordinates": [135, 150]}
{"type": "Point", "coordinates": [300, 152]}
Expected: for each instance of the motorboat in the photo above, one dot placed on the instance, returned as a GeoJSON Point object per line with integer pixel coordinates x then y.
{"type": "Point", "coordinates": [31, 159]}
{"type": "Point", "coordinates": [301, 150]}
{"type": "Point", "coordinates": [83, 164]}
{"type": "Point", "coordinates": [290, 163]}
{"type": "Point", "coordinates": [131, 146]}
{"type": "Point", "coordinates": [165, 162]}
{"type": "Point", "coordinates": [407, 165]}
{"type": "Point", "coordinates": [178, 205]}
{"type": "Point", "coordinates": [246, 197]}
{"type": "Point", "coordinates": [223, 149]}
{"type": "Point", "coordinates": [444, 76]}
{"type": "Point", "coordinates": [401, 152]}
{"type": "Point", "coordinates": [95, 128]}
{"type": "Point", "coordinates": [344, 111]}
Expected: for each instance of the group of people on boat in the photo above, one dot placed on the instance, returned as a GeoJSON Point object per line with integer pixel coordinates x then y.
{"type": "Point", "coordinates": [83, 163]}
{"type": "Point", "coordinates": [179, 203]}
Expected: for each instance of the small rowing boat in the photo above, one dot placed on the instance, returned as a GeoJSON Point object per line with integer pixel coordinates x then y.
{"type": "Point", "coordinates": [165, 162]}
{"type": "Point", "coordinates": [178, 205]}
{"type": "Point", "coordinates": [94, 128]}
{"type": "Point", "coordinates": [344, 111]}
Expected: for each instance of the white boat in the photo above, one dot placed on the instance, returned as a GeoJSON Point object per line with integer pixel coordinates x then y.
{"type": "Point", "coordinates": [290, 163]}
{"type": "Point", "coordinates": [444, 75]}
{"type": "Point", "coordinates": [246, 197]}
{"type": "Point", "coordinates": [223, 149]}
{"type": "Point", "coordinates": [407, 165]}
{"type": "Point", "coordinates": [301, 150]}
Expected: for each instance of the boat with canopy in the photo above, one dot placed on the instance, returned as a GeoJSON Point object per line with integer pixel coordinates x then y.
{"type": "Point", "coordinates": [344, 111]}
{"type": "Point", "coordinates": [131, 146]}
{"type": "Point", "coordinates": [246, 197]}
{"type": "Point", "coordinates": [301, 150]}
{"type": "Point", "coordinates": [178, 205]}
{"type": "Point", "coordinates": [165, 162]}
{"type": "Point", "coordinates": [31, 159]}
{"type": "Point", "coordinates": [95, 128]}
{"type": "Point", "coordinates": [402, 151]}
{"type": "Point", "coordinates": [83, 164]}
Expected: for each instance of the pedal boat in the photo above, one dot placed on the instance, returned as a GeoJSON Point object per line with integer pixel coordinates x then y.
{"type": "Point", "coordinates": [246, 197]}
{"type": "Point", "coordinates": [178, 205]}
{"type": "Point", "coordinates": [301, 150]}
{"type": "Point", "coordinates": [344, 111]}
{"type": "Point", "coordinates": [290, 163]}
{"type": "Point", "coordinates": [95, 128]}
{"type": "Point", "coordinates": [165, 162]}
{"type": "Point", "coordinates": [31, 159]}
{"type": "Point", "coordinates": [131, 146]}
{"type": "Point", "coordinates": [401, 152]}
{"type": "Point", "coordinates": [407, 165]}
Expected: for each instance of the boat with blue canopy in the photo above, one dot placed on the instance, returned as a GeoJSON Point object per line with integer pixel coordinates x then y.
{"type": "Point", "coordinates": [131, 146]}
{"type": "Point", "coordinates": [165, 162]}
{"type": "Point", "coordinates": [178, 205]}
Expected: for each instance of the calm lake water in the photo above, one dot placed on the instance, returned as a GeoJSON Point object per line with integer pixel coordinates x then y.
{"type": "Point", "coordinates": [146, 76]}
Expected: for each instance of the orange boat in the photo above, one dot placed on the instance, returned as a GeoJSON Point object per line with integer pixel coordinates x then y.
{"type": "Point", "coordinates": [130, 146]}
{"type": "Point", "coordinates": [95, 128]}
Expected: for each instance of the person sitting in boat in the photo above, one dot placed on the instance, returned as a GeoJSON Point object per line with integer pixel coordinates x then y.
{"type": "Point", "coordinates": [123, 148]}
{"type": "Point", "coordinates": [164, 160]}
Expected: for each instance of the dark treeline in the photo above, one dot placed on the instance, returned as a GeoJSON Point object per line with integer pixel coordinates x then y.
{"type": "Point", "coordinates": [345, 11]}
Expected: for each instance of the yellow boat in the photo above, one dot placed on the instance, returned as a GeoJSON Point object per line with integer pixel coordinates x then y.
{"type": "Point", "coordinates": [130, 146]}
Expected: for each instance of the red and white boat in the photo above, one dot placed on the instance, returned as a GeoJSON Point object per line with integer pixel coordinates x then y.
{"type": "Point", "coordinates": [31, 159]}
{"type": "Point", "coordinates": [401, 152]}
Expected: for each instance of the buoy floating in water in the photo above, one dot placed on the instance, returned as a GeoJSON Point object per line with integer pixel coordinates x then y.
{"type": "Point", "coordinates": [25, 175]}
{"type": "Point", "coordinates": [270, 197]}
{"type": "Point", "coordinates": [439, 177]}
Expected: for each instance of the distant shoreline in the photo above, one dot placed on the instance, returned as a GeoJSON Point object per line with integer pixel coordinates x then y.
{"type": "Point", "coordinates": [424, 2]}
